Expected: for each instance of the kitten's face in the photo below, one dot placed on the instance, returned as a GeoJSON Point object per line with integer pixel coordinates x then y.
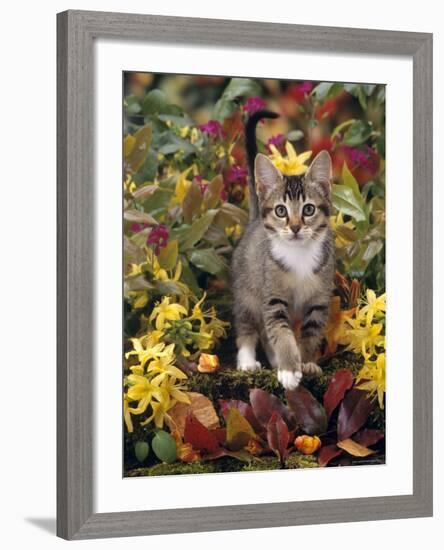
{"type": "Point", "coordinates": [294, 208]}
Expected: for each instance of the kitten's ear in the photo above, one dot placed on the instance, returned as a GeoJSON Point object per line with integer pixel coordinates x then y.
{"type": "Point", "coordinates": [266, 175]}
{"type": "Point", "coordinates": [320, 171]}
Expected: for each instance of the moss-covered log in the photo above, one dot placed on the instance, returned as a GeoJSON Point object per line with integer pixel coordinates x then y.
{"type": "Point", "coordinates": [226, 464]}
{"type": "Point", "coordinates": [233, 384]}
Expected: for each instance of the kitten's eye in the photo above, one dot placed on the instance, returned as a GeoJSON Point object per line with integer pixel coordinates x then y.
{"type": "Point", "coordinates": [308, 210]}
{"type": "Point", "coordinates": [280, 211]}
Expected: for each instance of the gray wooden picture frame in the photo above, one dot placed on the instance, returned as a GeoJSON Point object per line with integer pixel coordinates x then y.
{"type": "Point", "coordinates": [76, 32]}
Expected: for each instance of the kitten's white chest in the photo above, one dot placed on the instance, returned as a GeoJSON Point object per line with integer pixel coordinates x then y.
{"type": "Point", "coordinates": [301, 260]}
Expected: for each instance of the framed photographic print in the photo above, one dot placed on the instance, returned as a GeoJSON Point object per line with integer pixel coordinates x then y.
{"type": "Point", "coordinates": [244, 244]}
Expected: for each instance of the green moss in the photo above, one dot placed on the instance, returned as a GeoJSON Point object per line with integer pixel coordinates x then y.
{"type": "Point", "coordinates": [233, 384]}
{"type": "Point", "coordinates": [225, 464]}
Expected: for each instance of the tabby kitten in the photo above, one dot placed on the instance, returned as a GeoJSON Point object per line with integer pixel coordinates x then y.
{"type": "Point", "coordinates": [283, 266]}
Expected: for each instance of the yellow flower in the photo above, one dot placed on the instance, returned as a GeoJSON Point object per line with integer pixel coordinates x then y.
{"type": "Point", "coordinates": [134, 270]}
{"type": "Point", "coordinates": [184, 131]}
{"type": "Point", "coordinates": [129, 185]}
{"type": "Point", "coordinates": [364, 339]}
{"type": "Point", "coordinates": [373, 307]}
{"type": "Point", "coordinates": [139, 298]}
{"type": "Point", "coordinates": [164, 366]}
{"type": "Point", "coordinates": [234, 231]}
{"type": "Point", "coordinates": [293, 164]}
{"type": "Point", "coordinates": [127, 414]}
{"type": "Point", "coordinates": [182, 186]}
{"type": "Point", "coordinates": [340, 240]}
{"type": "Point", "coordinates": [176, 391]}
{"type": "Point", "coordinates": [148, 347]}
{"type": "Point", "coordinates": [170, 393]}
{"type": "Point", "coordinates": [194, 135]}
{"type": "Point", "coordinates": [373, 374]}
{"type": "Point", "coordinates": [336, 327]}
{"type": "Point", "coordinates": [164, 311]}
{"type": "Point", "coordinates": [143, 391]}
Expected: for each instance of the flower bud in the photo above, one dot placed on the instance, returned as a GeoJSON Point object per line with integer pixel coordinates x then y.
{"type": "Point", "coordinates": [208, 363]}
{"type": "Point", "coordinates": [307, 444]}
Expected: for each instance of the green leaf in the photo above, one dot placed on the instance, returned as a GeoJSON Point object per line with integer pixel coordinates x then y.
{"type": "Point", "coordinates": [169, 143]}
{"type": "Point", "coordinates": [295, 135]}
{"type": "Point", "coordinates": [132, 105]}
{"type": "Point", "coordinates": [148, 170]}
{"type": "Point", "coordinates": [136, 216]}
{"type": "Point", "coordinates": [223, 109]}
{"type": "Point", "coordinates": [241, 87]}
{"type": "Point", "coordinates": [181, 121]}
{"type": "Point", "coordinates": [141, 450]}
{"type": "Point", "coordinates": [191, 202]}
{"type": "Point", "coordinates": [349, 180]}
{"type": "Point", "coordinates": [229, 214]}
{"type": "Point", "coordinates": [157, 202]}
{"type": "Point", "coordinates": [197, 230]}
{"type": "Point", "coordinates": [342, 126]}
{"type": "Point", "coordinates": [139, 150]}
{"type": "Point", "coordinates": [326, 89]}
{"type": "Point", "coordinates": [212, 192]}
{"type": "Point", "coordinates": [154, 102]}
{"type": "Point", "coordinates": [357, 134]}
{"type": "Point", "coordinates": [168, 255]}
{"type": "Point", "coordinates": [207, 259]}
{"type": "Point", "coordinates": [346, 201]}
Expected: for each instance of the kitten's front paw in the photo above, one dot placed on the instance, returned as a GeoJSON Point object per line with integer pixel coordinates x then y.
{"type": "Point", "coordinates": [311, 369]}
{"type": "Point", "coordinates": [248, 367]}
{"type": "Point", "coordinates": [290, 379]}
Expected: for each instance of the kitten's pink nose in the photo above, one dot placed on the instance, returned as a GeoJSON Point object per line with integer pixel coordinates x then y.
{"type": "Point", "coordinates": [295, 228]}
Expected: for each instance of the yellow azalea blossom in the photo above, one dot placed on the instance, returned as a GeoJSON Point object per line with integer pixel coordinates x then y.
{"type": "Point", "coordinates": [134, 270]}
{"type": "Point", "coordinates": [336, 326]}
{"type": "Point", "coordinates": [184, 131]}
{"type": "Point", "coordinates": [164, 311]}
{"type": "Point", "coordinates": [183, 184]}
{"type": "Point", "coordinates": [293, 164]}
{"type": "Point", "coordinates": [340, 240]}
{"type": "Point", "coordinates": [129, 185]}
{"type": "Point", "coordinates": [164, 366]}
{"type": "Point", "coordinates": [364, 339]}
{"type": "Point", "coordinates": [142, 390]}
{"type": "Point", "coordinates": [127, 414]}
{"type": "Point", "coordinates": [147, 348]}
{"type": "Point", "coordinates": [373, 376]}
{"type": "Point", "coordinates": [175, 390]}
{"type": "Point", "coordinates": [194, 135]}
{"type": "Point", "coordinates": [159, 412]}
{"type": "Point", "coordinates": [139, 298]}
{"type": "Point", "coordinates": [373, 306]}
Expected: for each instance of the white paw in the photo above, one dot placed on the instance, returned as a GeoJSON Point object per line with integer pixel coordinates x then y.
{"type": "Point", "coordinates": [248, 367]}
{"type": "Point", "coordinates": [311, 369]}
{"type": "Point", "coordinates": [290, 379]}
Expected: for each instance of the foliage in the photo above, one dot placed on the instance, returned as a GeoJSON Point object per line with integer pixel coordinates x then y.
{"type": "Point", "coordinates": [185, 205]}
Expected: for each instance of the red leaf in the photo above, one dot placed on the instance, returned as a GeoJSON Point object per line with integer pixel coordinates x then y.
{"type": "Point", "coordinates": [341, 381]}
{"type": "Point", "coordinates": [353, 413]}
{"type": "Point", "coordinates": [244, 408]}
{"type": "Point", "coordinates": [278, 436]}
{"type": "Point", "coordinates": [200, 437]}
{"type": "Point", "coordinates": [309, 413]}
{"type": "Point", "coordinates": [264, 404]}
{"type": "Point", "coordinates": [368, 437]}
{"type": "Point", "coordinates": [328, 453]}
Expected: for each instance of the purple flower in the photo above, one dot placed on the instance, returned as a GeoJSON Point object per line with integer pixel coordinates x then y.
{"type": "Point", "coordinates": [158, 238]}
{"type": "Point", "coordinates": [278, 141]}
{"type": "Point", "coordinates": [137, 227]}
{"type": "Point", "coordinates": [236, 173]}
{"type": "Point", "coordinates": [213, 128]}
{"type": "Point", "coordinates": [254, 104]}
{"type": "Point", "coordinates": [366, 157]}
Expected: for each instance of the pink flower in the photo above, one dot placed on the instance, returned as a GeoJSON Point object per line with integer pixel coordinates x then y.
{"type": "Point", "coordinates": [212, 128]}
{"type": "Point", "coordinates": [199, 180]}
{"type": "Point", "coordinates": [254, 104]}
{"type": "Point", "coordinates": [158, 238]}
{"type": "Point", "coordinates": [236, 173]}
{"type": "Point", "coordinates": [278, 141]}
{"type": "Point", "coordinates": [299, 91]}
{"type": "Point", "coordinates": [137, 227]}
{"type": "Point", "coordinates": [366, 157]}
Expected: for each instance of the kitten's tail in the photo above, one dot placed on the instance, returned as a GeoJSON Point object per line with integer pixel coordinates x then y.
{"type": "Point", "coordinates": [251, 148]}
